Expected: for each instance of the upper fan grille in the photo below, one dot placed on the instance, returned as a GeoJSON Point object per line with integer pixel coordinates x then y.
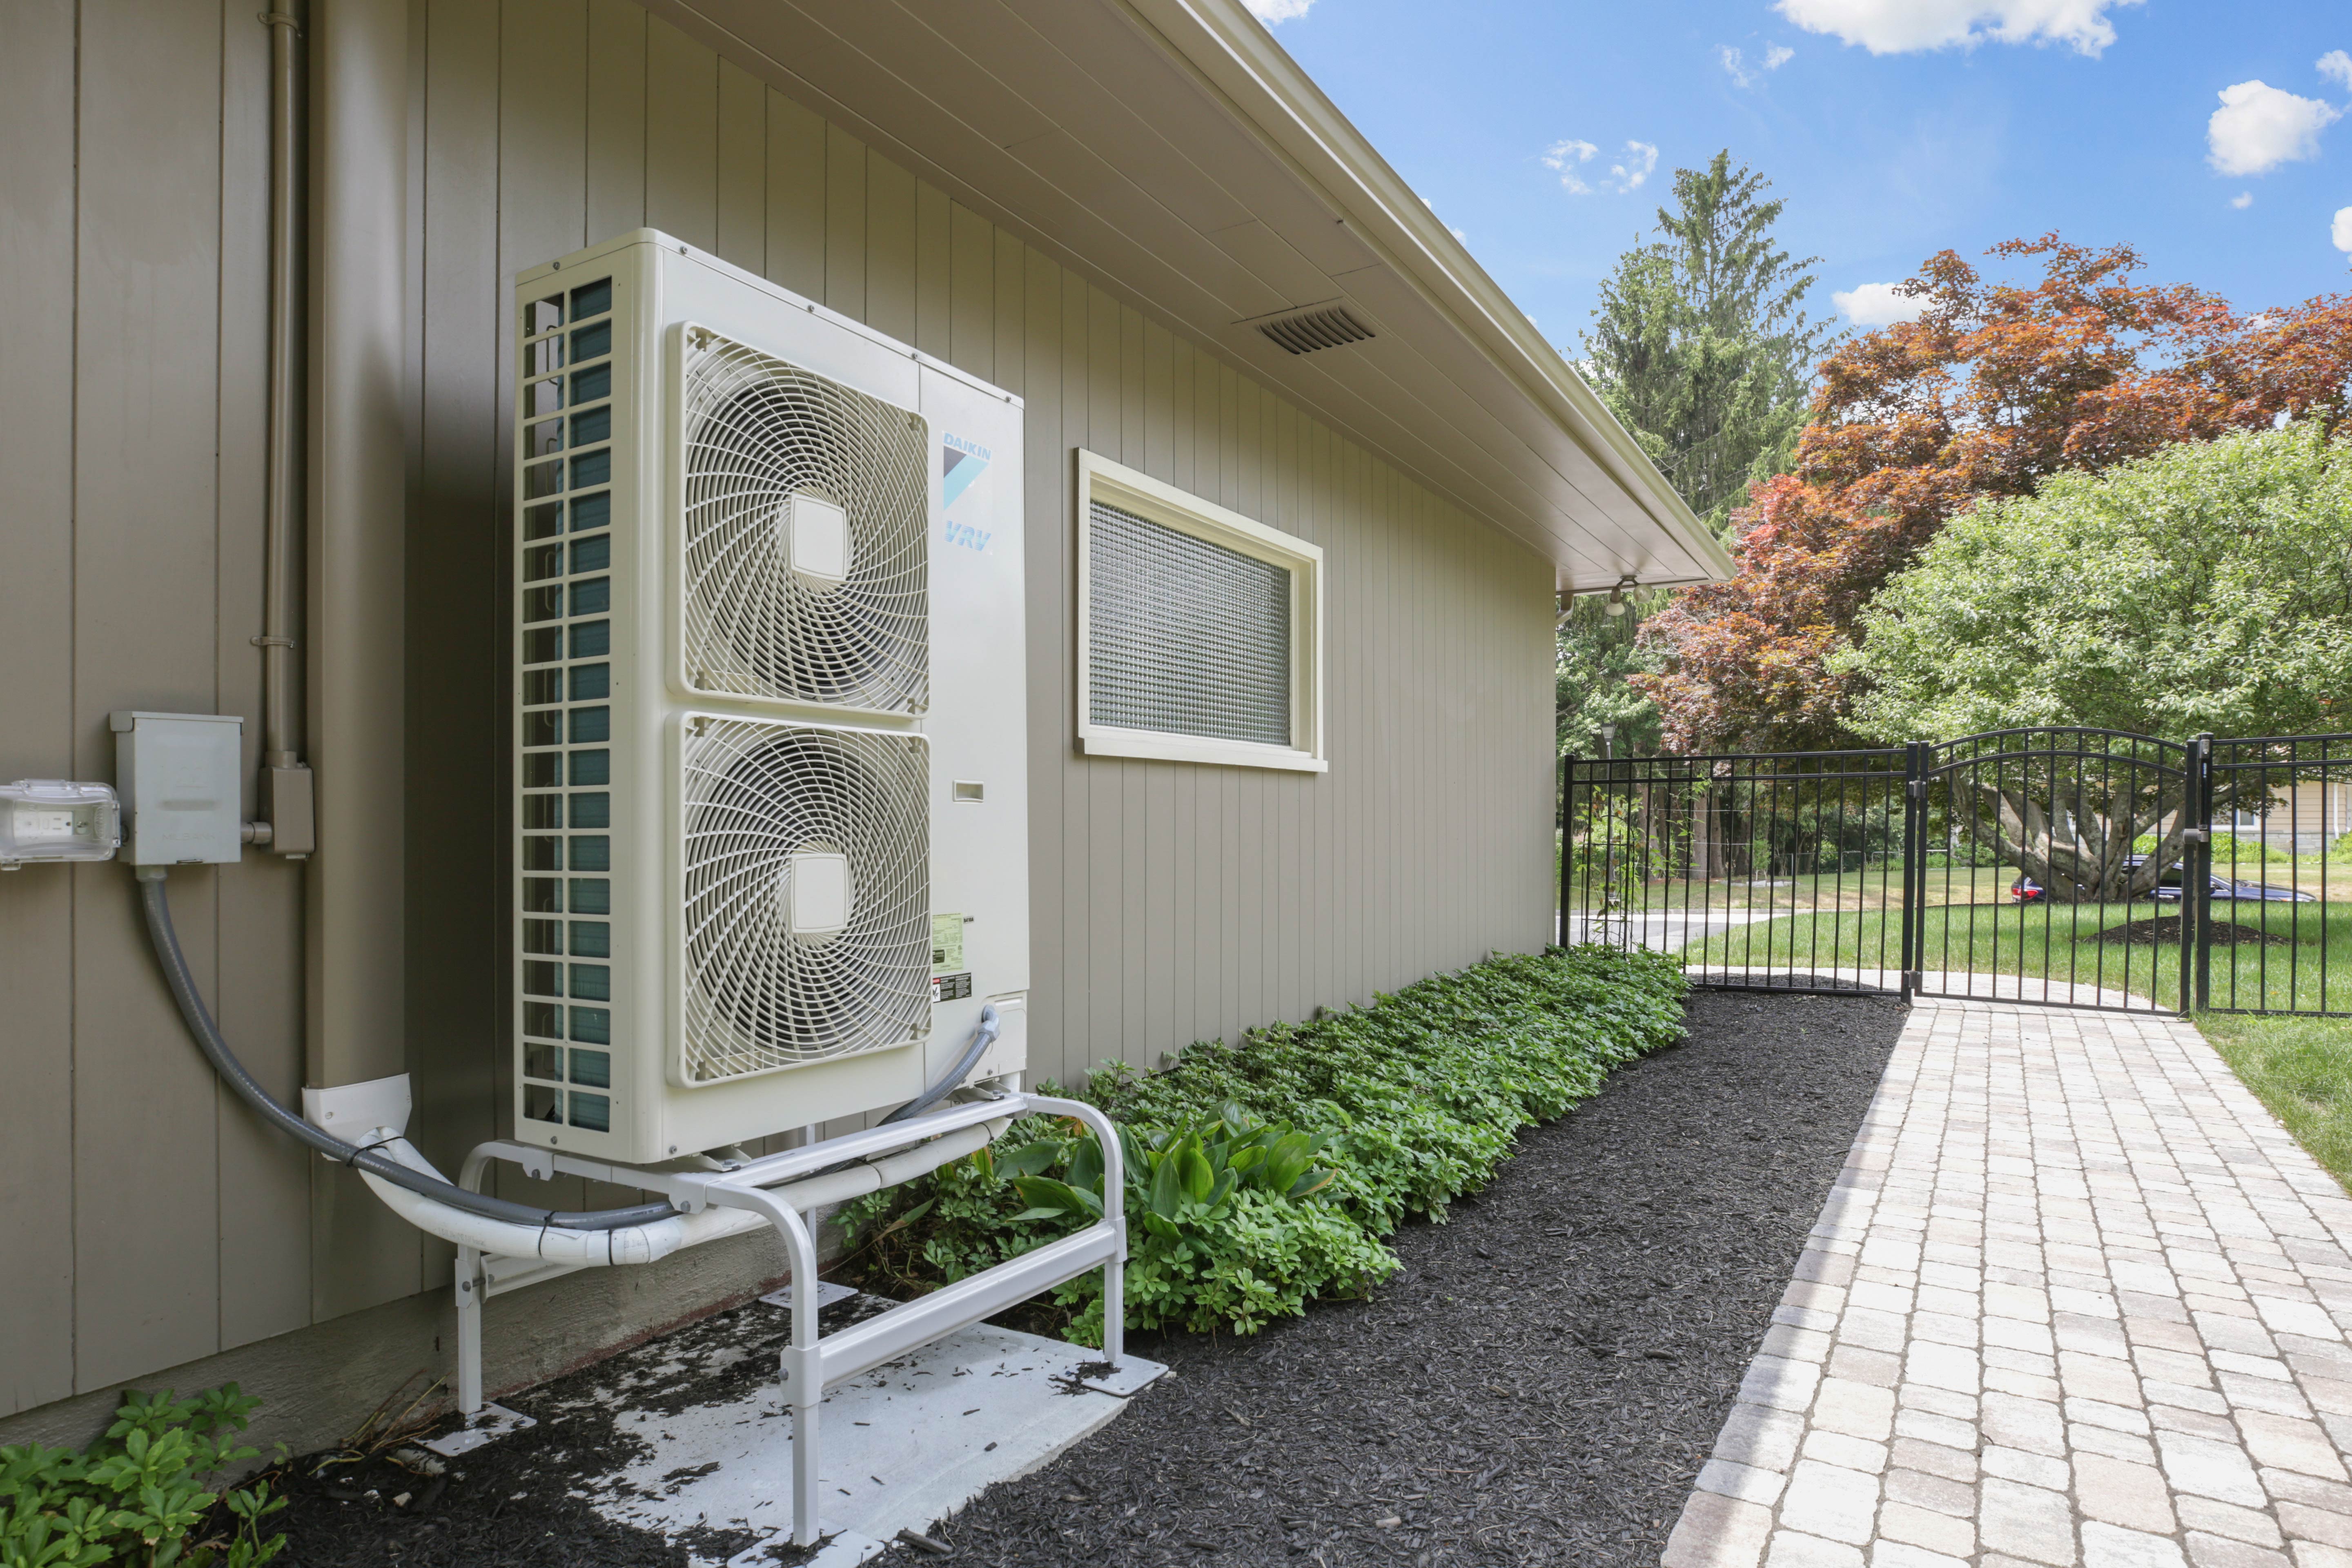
{"type": "Point", "coordinates": [759, 432]}
{"type": "Point", "coordinates": [767, 802]}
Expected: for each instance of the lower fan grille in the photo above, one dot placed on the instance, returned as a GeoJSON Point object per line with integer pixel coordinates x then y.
{"type": "Point", "coordinates": [807, 895]}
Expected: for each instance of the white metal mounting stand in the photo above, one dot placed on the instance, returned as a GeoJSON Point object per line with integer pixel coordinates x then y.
{"type": "Point", "coordinates": [763, 1190]}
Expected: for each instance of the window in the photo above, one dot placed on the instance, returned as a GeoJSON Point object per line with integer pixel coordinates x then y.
{"type": "Point", "coordinates": [1200, 631]}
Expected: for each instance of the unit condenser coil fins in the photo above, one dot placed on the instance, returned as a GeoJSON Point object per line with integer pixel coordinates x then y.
{"type": "Point", "coordinates": [807, 524]}
{"type": "Point", "coordinates": [808, 919]}
{"type": "Point", "coordinates": [757, 646]}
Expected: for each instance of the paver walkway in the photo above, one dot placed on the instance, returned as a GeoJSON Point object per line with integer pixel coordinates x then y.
{"type": "Point", "coordinates": [2077, 1299]}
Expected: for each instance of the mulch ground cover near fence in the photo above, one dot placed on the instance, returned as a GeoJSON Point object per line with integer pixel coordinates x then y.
{"type": "Point", "coordinates": [1538, 1384]}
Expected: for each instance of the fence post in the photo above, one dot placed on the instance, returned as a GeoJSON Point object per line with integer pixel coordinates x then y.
{"type": "Point", "coordinates": [1915, 861]}
{"type": "Point", "coordinates": [2197, 878]}
{"type": "Point", "coordinates": [1560, 874]}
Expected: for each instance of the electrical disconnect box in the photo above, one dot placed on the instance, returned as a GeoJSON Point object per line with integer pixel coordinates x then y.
{"type": "Point", "coordinates": [178, 777]}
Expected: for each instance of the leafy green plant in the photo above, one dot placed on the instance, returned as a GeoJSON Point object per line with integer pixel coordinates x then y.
{"type": "Point", "coordinates": [1262, 1175]}
{"type": "Point", "coordinates": [141, 1494]}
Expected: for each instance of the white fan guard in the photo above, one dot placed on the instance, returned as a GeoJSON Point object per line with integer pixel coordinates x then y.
{"type": "Point", "coordinates": [758, 432]}
{"type": "Point", "coordinates": [758, 796]}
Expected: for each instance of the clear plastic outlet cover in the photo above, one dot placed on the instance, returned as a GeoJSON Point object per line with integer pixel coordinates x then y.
{"type": "Point", "coordinates": [58, 819]}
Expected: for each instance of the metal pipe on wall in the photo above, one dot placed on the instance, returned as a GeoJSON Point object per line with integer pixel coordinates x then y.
{"type": "Point", "coordinates": [286, 802]}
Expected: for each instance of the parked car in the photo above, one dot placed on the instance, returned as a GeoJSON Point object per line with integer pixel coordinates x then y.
{"type": "Point", "coordinates": [2026, 891]}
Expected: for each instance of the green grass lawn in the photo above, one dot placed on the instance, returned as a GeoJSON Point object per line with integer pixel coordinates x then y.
{"type": "Point", "coordinates": [2300, 1067]}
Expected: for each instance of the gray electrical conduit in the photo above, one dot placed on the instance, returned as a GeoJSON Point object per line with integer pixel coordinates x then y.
{"type": "Point", "coordinates": [412, 1187]}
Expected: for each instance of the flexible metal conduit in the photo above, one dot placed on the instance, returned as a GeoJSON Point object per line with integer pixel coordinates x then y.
{"type": "Point", "coordinates": [367, 1161]}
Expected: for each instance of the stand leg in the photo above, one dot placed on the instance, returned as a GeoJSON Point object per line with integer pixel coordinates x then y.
{"type": "Point", "coordinates": [1115, 1309]}
{"type": "Point", "coordinates": [469, 1333]}
{"type": "Point", "coordinates": [804, 1477]}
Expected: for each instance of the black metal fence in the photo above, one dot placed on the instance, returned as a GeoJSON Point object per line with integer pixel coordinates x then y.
{"type": "Point", "coordinates": [2063, 865]}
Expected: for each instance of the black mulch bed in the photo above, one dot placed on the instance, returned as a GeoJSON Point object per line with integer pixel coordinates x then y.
{"type": "Point", "coordinates": [1538, 1384]}
{"type": "Point", "coordinates": [2164, 930]}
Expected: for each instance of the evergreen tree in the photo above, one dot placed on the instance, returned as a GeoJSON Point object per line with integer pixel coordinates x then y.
{"type": "Point", "coordinates": [1703, 350]}
{"type": "Point", "coordinates": [1702, 347]}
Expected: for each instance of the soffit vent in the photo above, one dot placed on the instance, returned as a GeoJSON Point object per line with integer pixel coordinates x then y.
{"type": "Point", "coordinates": [1324, 327]}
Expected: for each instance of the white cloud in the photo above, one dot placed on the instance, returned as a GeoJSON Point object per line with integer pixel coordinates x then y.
{"type": "Point", "coordinates": [2337, 67]}
{"type": "Point", "coordinates": [1641, 158]}
{"type": "Point", "coordinates": [2243, 200]}
{"type": "Point", "coordinates": [1273, 11]}
{"type": "Point", "coordinates": [2340, 231]}
{"type": "Point", "coordinates": [1877, 305]}
{"type": "Point", "coordinates": [1900, 27]}
{"type": "Point", "coordinates": [2259, 127]}
{"type": "Point", "coordinates": [1735, 63]}
{"type": "Point", "coordinates": [1566, 157]}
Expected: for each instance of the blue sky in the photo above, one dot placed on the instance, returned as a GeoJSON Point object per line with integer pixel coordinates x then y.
{"type": "Point", "coordinates": [1893, 128]}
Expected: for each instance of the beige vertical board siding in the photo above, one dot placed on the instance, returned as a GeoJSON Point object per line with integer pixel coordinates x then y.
{"type": "Point", "coordinates": [265, 1259]}
{"type": "Point", "coordinates": [38, 724]}
{"type": "Point", "coordinates": [146, 1223]}
{"type": "Point", "coordinates": [617, 122]}
{"type": "Point", "coordinates": [742, 168]}
{"type": "Point", "coordinates": [681, 136]}
{"type": "Point", "coordinates": [146, 1207]}
{"type": "Point", "coordinates": [795, 196]}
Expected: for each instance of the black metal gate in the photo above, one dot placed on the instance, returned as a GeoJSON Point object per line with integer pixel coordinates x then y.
{"type": "Point", "coordinates": [2060, 866]}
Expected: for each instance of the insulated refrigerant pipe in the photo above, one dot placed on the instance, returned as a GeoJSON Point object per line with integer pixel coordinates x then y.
{"type": "Point", "coordinates": [367, 1161]}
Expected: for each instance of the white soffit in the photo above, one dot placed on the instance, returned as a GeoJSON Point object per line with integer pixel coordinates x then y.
{"type": "Point", "coordinates": [1171, 151]}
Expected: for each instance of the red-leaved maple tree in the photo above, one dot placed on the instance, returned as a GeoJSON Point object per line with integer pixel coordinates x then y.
{"type": "Point", "coordinates": [1993, 386]}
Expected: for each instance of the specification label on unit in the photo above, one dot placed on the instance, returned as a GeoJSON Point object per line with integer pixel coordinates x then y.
{"type": "Point", "coordinates": [951, 987]}
{"type": "Point", "coordinates": [947, 944]}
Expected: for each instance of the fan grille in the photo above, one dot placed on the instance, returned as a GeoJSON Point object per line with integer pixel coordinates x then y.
{"type": "Point", "coordinates": [760, 431]}
{"type": "Point", "coordinates": [760, 797]}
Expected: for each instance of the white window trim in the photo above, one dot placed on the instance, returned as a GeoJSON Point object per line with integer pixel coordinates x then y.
{"type": "Point", "coordinates": [1130, 491]}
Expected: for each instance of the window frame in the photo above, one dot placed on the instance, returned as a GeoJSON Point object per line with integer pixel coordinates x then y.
{"type": "Point", "coordinates": [1130, 491]}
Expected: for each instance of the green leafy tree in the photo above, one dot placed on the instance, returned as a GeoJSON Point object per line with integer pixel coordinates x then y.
{"type": "Point", "coordinates": [2205, 587]}
{"type": "Point", "coordinates": [1599, 654]}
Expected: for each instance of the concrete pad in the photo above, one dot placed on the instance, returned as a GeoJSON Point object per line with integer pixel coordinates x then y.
{"type": "Point", "coordinates": [902, 1445]}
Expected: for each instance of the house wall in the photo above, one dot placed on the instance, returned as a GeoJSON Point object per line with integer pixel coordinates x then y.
{"type": "Point", "coordinates": [152, 1230]}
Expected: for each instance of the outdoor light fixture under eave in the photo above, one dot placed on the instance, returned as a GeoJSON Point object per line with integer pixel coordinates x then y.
{"type": "Point", "coordinates": [1616, 604]}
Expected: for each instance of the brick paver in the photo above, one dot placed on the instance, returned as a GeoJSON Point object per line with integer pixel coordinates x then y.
{"type": "Point", "coordinates": [2077, 1299]}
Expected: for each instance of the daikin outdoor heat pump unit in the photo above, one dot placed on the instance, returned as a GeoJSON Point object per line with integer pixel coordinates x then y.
{"type": "Point", "coordinates": [770, 818]}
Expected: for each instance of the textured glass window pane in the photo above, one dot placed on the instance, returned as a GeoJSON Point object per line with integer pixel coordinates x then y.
{"type": "Point", "coordinates": [593, 598]}
{"type": "Point", "coordinates": [591, 512]}
{"type": "Point", "coordinates": [592, 342]}
{"type": "Point", "coordinates": [591, 939]}
{"type": "Point", "coordinates": [1186, 637]}
{"type": "Point", "coordinates": [592, 554]}
{"type": "Point", "coordinates": [593, 427]}
{"type": "Point", "coordinates": [591, 298]}
{"type": "Point", "coordinates": [591, 896]}
{"type": "Point", "coordinates": [588, 385]}
{"type": "Point", "coordinates": [591, 1113]}
{"type": "Point", "coordinates": [592, 467]}
{"type": "Point", "coordinates": [594, 640]}
{"type": "Point", "coordinates": [591, 810]}
{"type": "Point", "coordinates": [593, 1025]}
{"type": "Point", "coordinates": [591, 723]}
{"type": "Point", "coordinates": [593, 980]}
{"type": "Point", "coordinates": [594, 1069]}
{"type": "Point", "coordinates": [591, 682]}
{"type": "Point", "coordinates": [592, 854]}
{"type": "Point", "coordinates": [592, 767]}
